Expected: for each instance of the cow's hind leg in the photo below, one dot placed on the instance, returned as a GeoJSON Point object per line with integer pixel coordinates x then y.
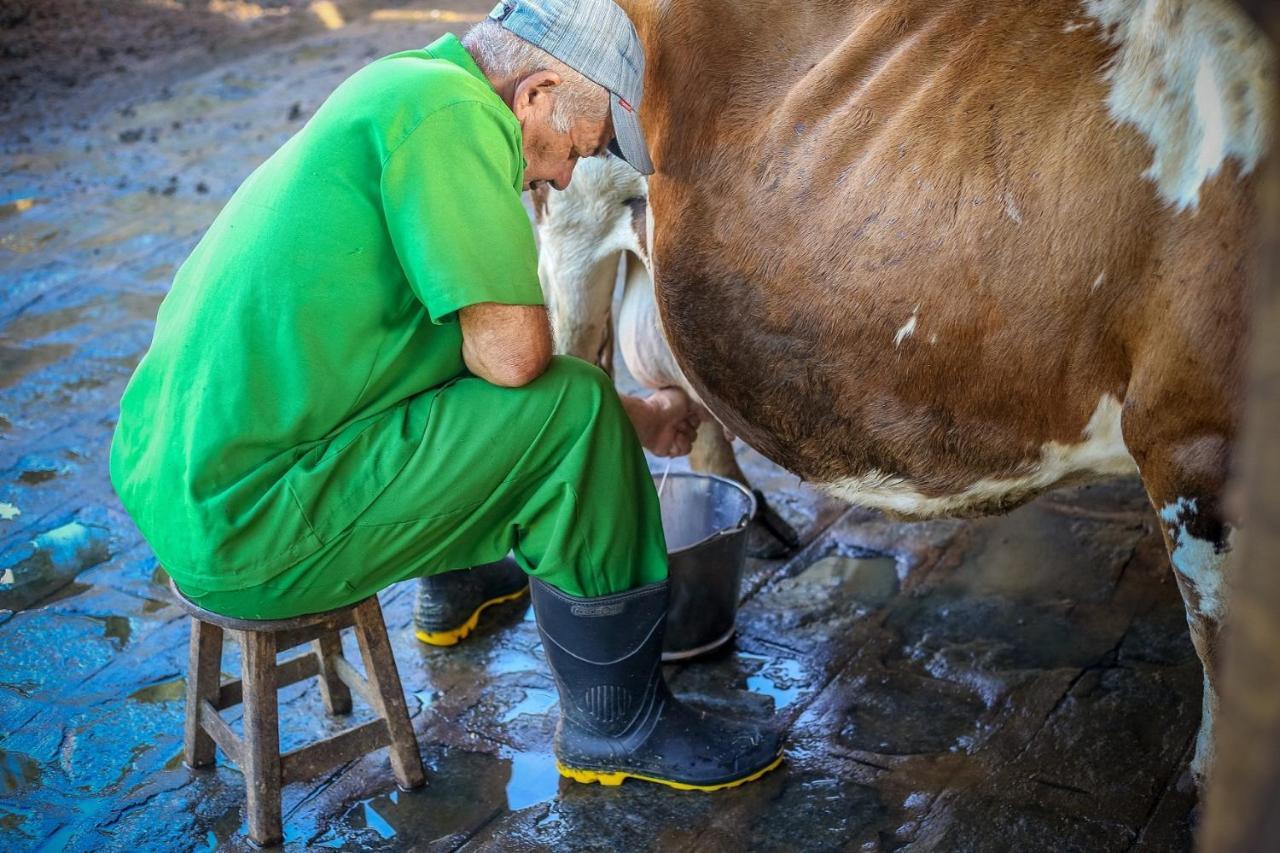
{"type": "Point", "coordinates": [770, 537]}
{"type": "Point", "coordinates": [1185, 477]}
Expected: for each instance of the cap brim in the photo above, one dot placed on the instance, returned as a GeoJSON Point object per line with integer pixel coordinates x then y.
{"type": "Point", "coordinates": [628, 138]}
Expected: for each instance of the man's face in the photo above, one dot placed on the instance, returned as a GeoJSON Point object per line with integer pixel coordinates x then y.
{"type": "Point", "coordinates": [551, 155]}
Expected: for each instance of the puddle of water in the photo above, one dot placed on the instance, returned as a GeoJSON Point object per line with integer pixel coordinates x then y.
{"type": "Point", "coordinates": [33, 478]}
{"type": "Point", "coordinates": [234, 88]}
{"type": "Point", "coordinates": [308, 52]}
{"type": "Point", "coordinates": [781, 678]}
{"type": "Point", "coordinates": [32, 324]}
{"type": "Point", "coordinates": [225, 832]}
{"type": "Point", "coordinates": [118, 629]}
{"type": "Point", "coordinates": [160, 577]}
{"type": "Point", "coordinates": [14, 206]}
{"type": "Point", "coordinates": [377, 822]}
{"type": "Point", "coordinates": [871, 580]}
{"type": "Point", "coordinates": [385, 814]}
{"type": "Point", "coordinates": [508, 659]}
{"type": "Point", "coordinates": [62, 542]}
{"type": "Point", "coordinates": [534, 779]}
{"type": "Point", "coordinates": [536, 702]}
{"type": "Point", "coordinates": [18, 772]}
{"type": "Point", "coordinates": [165, 691]}
{"type": "Point", "coordinates": [22, 244]}
{"type": "Point", "coordinates": [151, 605]}
{"type": "Point", "coordinates": [160, 272]}
{"type": "Point", "coordinates": [68, 591]}
{"type": "Point", "coordinates": [16, 362]}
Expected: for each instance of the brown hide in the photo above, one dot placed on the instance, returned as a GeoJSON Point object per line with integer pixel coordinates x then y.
{"type": "Point", "coordinates": [841, 166]}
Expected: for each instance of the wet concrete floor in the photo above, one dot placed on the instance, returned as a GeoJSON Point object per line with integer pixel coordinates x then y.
{"type": "Point", "coordinates": [1017, 683]}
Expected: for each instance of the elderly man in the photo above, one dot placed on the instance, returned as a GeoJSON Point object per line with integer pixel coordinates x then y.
{"type": "Point", "coordinates": [351, 384]}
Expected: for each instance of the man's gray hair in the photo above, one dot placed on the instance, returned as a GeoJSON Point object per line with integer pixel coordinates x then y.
{"type": "Point", "coordinates": [499, 53]}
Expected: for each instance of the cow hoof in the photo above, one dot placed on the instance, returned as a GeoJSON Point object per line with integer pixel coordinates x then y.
{"type": "Point", "coordinates": [770, 537]}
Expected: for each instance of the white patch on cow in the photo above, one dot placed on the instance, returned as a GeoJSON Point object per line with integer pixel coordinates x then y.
{"type": "Point", "coordinates": [1101, 452]}
{"type": "Point", "coordinates": [1201, 761]}
{"type": "Point", "coordinates": [908, 328]}
{"type": "Point", "coordinates": [1011, 208]}
{"type": "Point", "coordinates": [1097, 282]}
{"type": "Point", "coordinates": [1202, 565]}
{"type": "Point", "coordinates": [1199, 561]}
{"type": "Point", "coordinates": [1172, 512]}
{"type": "Point", "coordinates": [8, 511]}
{"type": "Point", "coordinates": [1213, 124]}
{"type": "Point", "coordinates": [933, 339]}
{"type": "Point", "coordinates": [1072, 26]}
{"type": "Point", "coordinates": [1195, 77]}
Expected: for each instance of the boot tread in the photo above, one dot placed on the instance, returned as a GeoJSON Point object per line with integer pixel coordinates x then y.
{"type": "Point", "coordinates": [617, 777]}
{"type": "Point", "coordinates": [454, 635]}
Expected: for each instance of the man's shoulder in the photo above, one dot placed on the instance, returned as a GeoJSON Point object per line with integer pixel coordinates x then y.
{"type": "Point", "coordinates": [399, 92]}
{"type": "Point", "coordinates": [427, 82]}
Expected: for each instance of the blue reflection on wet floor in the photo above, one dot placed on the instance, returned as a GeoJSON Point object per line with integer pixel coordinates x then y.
{"type": "Point", "coordinates": [782, 678]}
{"type": "Point", "coordinates": [534, 779]}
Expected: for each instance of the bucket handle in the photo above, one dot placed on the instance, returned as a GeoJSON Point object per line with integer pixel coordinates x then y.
{"type": "Point", "coordinates": [739, 527]}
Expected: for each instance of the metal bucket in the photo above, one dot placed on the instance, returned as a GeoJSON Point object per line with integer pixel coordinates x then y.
{"type": "Point", "coordinates": [705, 520]}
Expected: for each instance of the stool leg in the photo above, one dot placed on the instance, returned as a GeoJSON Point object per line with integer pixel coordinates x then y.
{"type": "Point", "coordinates": [204, 677]}
{"type": "Point", "coordinates": [261, 737]}
{"type": "Point", "coordinates": [337, 695]}
{"type": "Point", "coordinates": [384, 679]}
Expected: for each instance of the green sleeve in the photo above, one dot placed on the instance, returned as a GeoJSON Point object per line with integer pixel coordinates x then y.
{"type": "Point", "coordinates": [451, 196]}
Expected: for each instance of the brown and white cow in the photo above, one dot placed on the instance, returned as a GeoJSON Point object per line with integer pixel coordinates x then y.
{"type": "Point", "coordinates": [942, 255]}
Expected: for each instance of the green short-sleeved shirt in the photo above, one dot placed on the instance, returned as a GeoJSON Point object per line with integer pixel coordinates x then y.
{"type": "Point", "coordinates": [320, 301]}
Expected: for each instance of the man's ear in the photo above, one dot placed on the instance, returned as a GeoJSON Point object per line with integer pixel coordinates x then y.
{"type": "Point", "coordinates": [534, 95]}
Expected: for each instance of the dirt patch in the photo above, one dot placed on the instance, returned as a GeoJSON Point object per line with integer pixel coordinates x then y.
{"type": "Point", "coordinates": [58, 57]}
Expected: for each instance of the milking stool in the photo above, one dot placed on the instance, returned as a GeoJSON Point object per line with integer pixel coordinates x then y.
{"type": "Point", "coordinates": [257, 754]}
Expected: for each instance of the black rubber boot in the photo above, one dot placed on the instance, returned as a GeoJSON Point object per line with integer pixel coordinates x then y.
{"type": "Point", "coordinates": [449, 604]}
{"type": "Point", "coordinates": [618, 719]}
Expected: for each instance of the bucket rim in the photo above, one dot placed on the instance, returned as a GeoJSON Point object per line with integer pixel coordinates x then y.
{"type": "Point", "coordinates": [724, 531]}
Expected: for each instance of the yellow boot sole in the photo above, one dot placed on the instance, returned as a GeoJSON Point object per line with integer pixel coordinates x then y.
{"type": "Point", "coordinates": [611, 778]}
{"type": "Point", "coordinates": [453, 636]}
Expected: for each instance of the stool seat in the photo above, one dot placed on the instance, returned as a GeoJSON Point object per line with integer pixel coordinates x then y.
{"type": "Point", "coordinates": [257, 753]}
{"type": "Point", "coordinates": [274, 625]}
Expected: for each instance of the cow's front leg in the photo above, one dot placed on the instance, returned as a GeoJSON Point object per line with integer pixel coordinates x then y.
{"type": "Point", "coordinates": [1184, 479]}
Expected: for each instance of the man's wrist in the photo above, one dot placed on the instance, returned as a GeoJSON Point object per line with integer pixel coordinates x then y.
{"type": "Point", "coordinates": [638, 410]}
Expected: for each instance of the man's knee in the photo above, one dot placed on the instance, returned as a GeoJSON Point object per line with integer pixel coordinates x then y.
{"type": "Point", "coordinates": [578, 382]}
{"type": "Point", "coordinates": [584, 394]}
{"type": "Point", "coordinates": [566, 368]}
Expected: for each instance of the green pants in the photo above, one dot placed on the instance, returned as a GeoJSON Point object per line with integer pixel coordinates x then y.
{"type": "Point", "coordinates": [551, 472]}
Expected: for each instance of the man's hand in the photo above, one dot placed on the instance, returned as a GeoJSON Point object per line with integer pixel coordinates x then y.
{"type": "Point", "coordinates": [665, 422]}
{"type": "Point", "coordinates": [508, 345]}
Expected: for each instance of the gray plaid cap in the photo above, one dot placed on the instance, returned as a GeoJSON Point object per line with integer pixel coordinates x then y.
{"type": "Point", "coordinates": [598, 40]}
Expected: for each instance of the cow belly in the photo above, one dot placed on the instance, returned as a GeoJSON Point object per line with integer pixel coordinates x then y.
{"type": "Point", "coordinates": [1100, 453]}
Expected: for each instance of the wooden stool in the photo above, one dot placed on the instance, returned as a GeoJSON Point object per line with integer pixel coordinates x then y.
{"type": "Point", "coordinates": [257, 754]}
